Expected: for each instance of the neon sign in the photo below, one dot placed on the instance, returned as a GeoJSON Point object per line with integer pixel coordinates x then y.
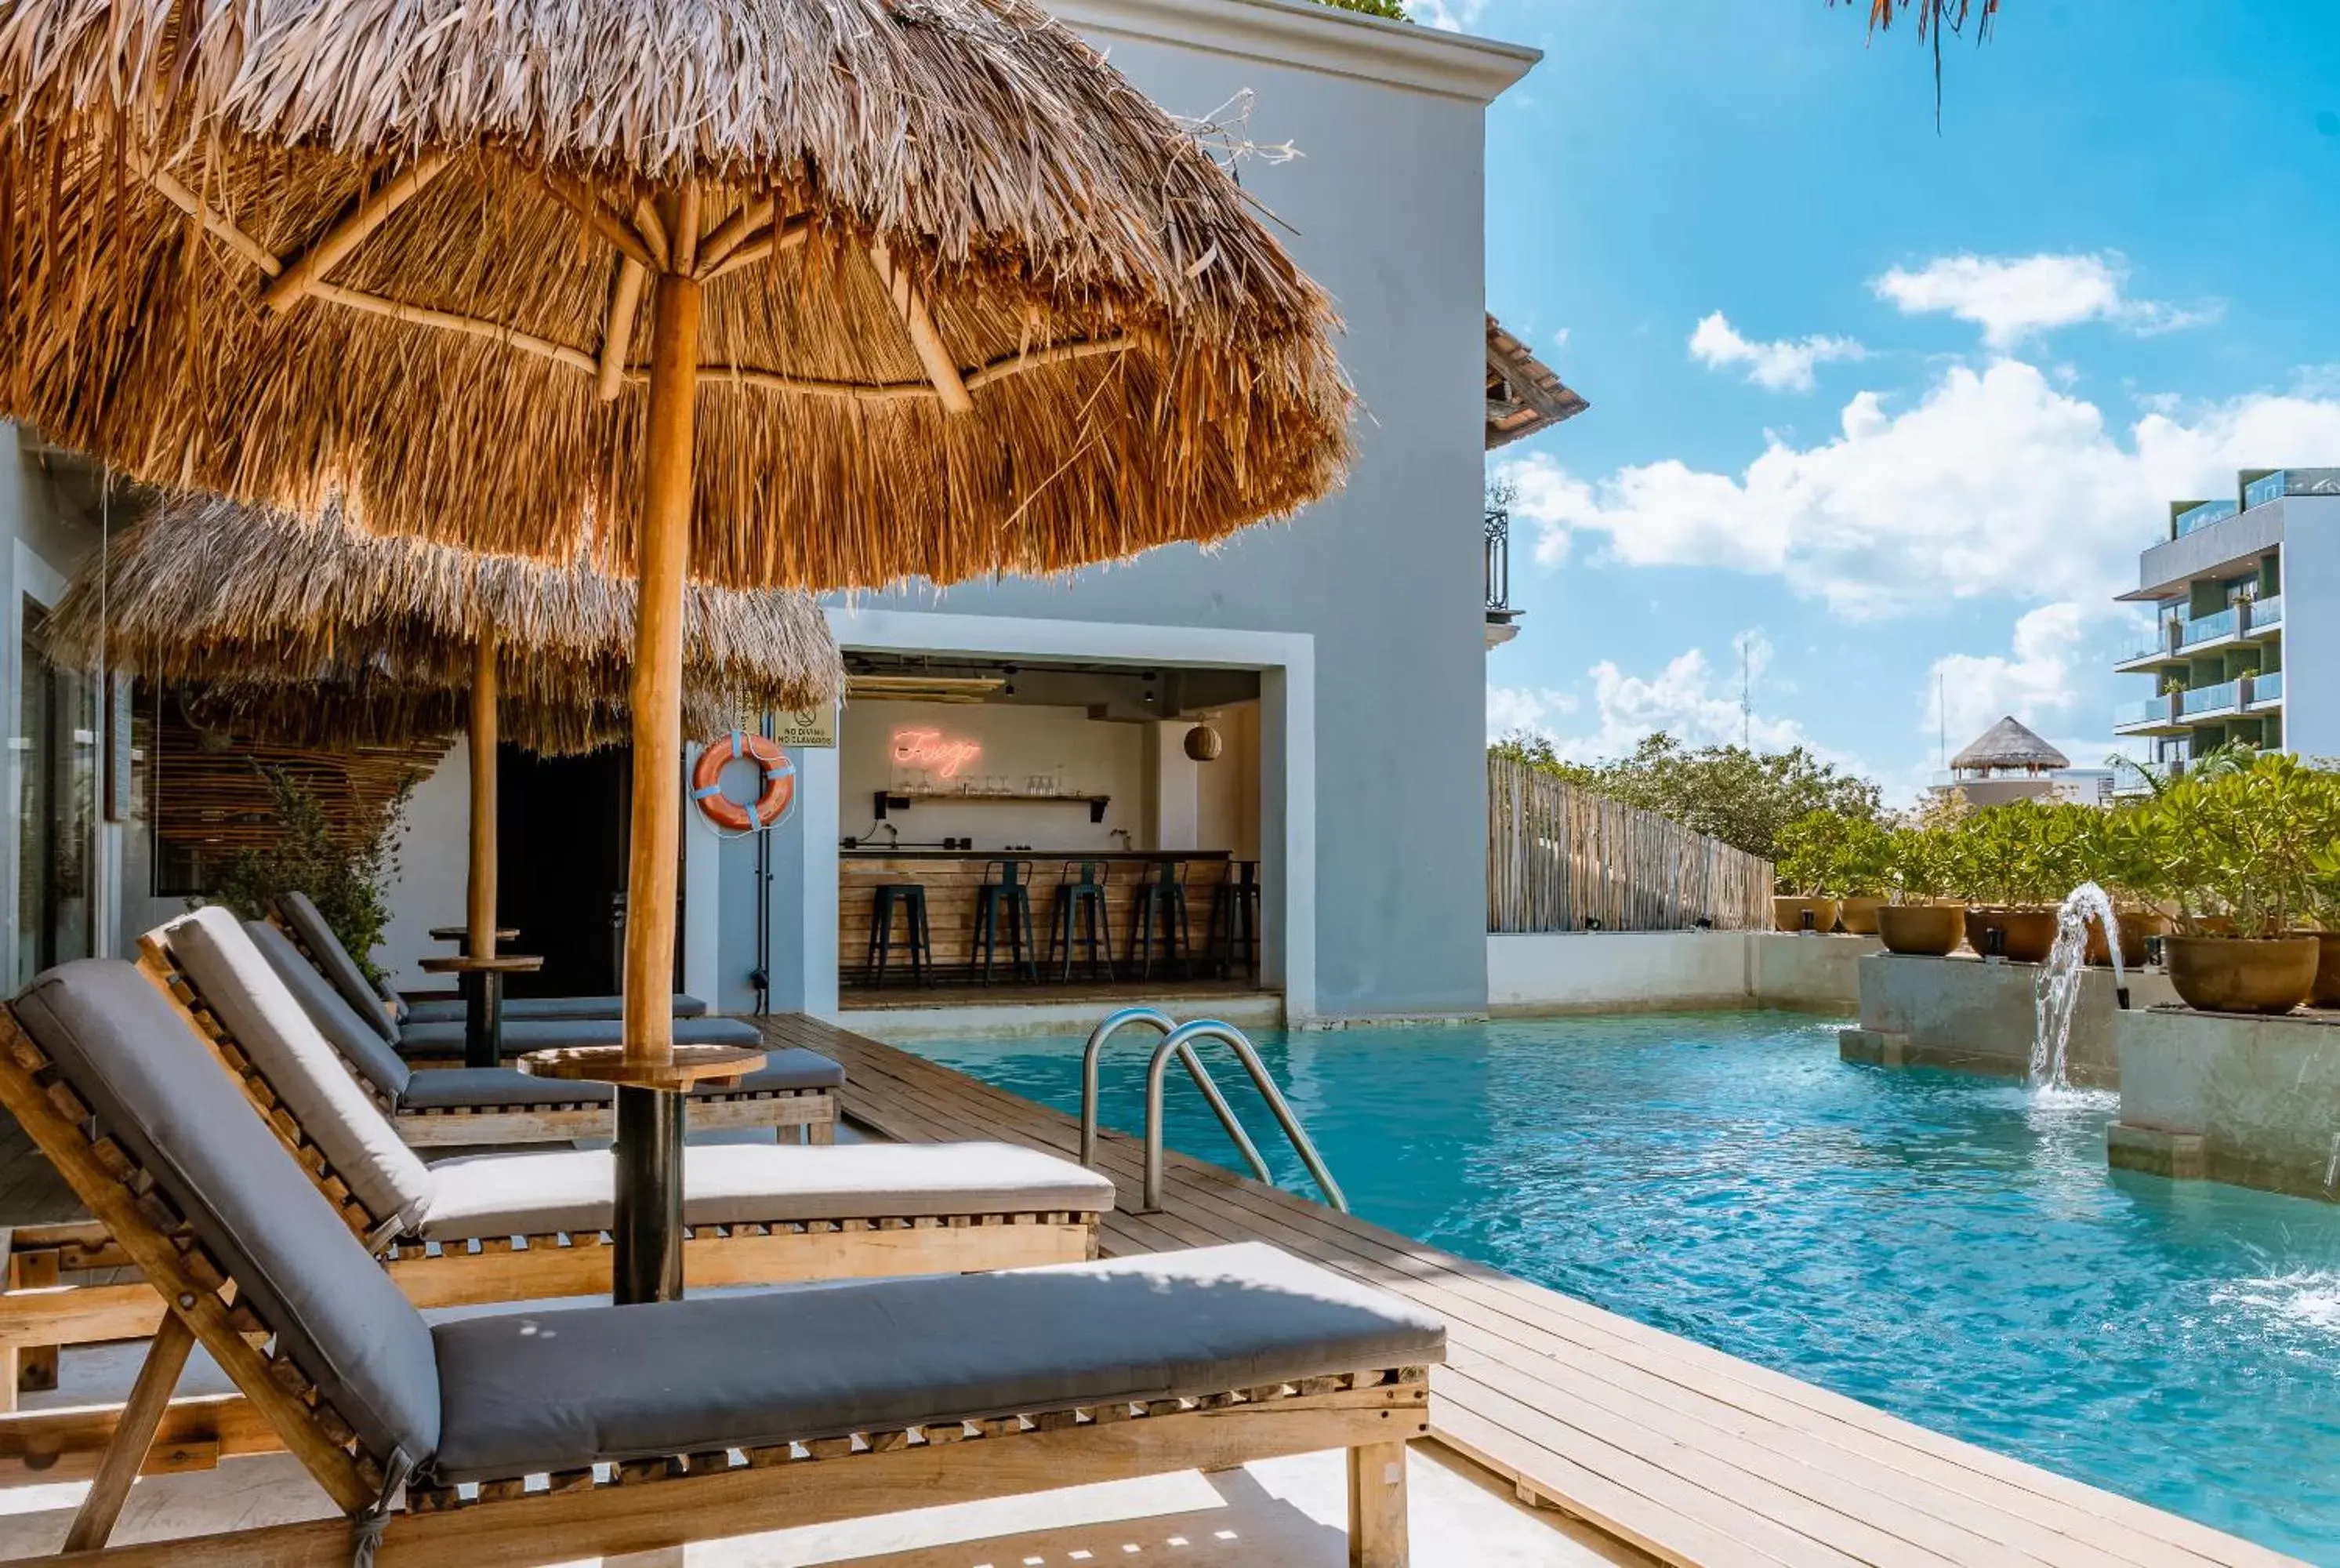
{"type": "Point", "coordinates": [932, 751]}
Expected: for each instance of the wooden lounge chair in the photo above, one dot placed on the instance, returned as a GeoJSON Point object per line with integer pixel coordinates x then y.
{"type": "Point", "coordinates": [298, 910]}
{"type": "Point", "coordinates": [441, 1040]}
{"type": "Point", "coordinates": [541, 1437]}
{"type": "Point", "coordinates": [213, 971]}
{"type": "Point", "coordinates": [531, 1225]}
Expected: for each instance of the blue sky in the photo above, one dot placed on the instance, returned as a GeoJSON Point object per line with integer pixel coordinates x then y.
{"type": "Point", "coordinates": [1884, 402]}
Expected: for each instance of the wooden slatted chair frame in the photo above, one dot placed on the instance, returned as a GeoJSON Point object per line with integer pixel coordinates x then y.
{"type": "Point", "coordinates": [35, 1321]}
{"type": "Point", "coordinates": [649, 1505]}
{"type": "Point", "coordinates": [555, 1120]}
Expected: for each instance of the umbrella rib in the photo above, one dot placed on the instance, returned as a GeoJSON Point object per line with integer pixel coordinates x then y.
{"type": "Point", "coordinates": [169, 188]}
{"type": "Point", "coordinates": [618, 337]}
{"type": "Point", "coordinates": [469, 326]}
{"type": "Point", "coordinates": [911, 305]}
{"type": "Point", "coordinates": [725, 236]}
{"type": "Point", "coordinates": [310, 269]}
{"type": "Point", "coordinates": [747, 253]}
{"type": "Point", "coordinates": [1007, 365]}
{"type": "Point", "coordinates": [603, 222]}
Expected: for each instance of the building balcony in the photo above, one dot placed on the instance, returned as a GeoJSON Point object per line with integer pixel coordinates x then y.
{"type": "Point", "coordinates": [2200, 702]}
{"type": "Point", "coordinates": [2262, 616]}
{"type": "Point", "coordinates": [2210, 631]}
{"type": "Point", "coordinates": [2258, 490]}
{"type": "Point", "coordinates": [2149, 716]}
{"type": "Point", "coordinates": [2201, 514]}
{"type": "Point", "coordinates": [2223, 547]}
{"type": "Point", "coordinates": [2263, 692]}
{"type": "Point", "coordinates": [2155, 648]}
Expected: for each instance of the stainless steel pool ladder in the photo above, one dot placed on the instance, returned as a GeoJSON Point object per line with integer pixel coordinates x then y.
{"type": "Point", "coordinates": [1177, 1040]}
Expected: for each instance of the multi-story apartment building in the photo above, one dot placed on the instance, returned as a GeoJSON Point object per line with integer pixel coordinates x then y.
{"type": "Point", "coordinates": [2244, 592]}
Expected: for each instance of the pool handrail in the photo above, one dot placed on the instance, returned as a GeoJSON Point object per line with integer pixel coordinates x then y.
{"type": "Point", "coordinates": [1154, 1018]}
{"type": "Point", "coordinates": [1177, 1043]}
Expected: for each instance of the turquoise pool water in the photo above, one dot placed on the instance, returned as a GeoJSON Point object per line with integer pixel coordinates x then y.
{"type": "Point", "coordinates": [1945, 1247]}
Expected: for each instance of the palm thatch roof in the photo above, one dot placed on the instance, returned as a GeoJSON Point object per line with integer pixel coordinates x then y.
{"type": "Point", "coordinates": [972, 303]}
{"type": "Point", "coordinates": [2008, 745]}
{"type": "Point", "coordinates": [313, 633]}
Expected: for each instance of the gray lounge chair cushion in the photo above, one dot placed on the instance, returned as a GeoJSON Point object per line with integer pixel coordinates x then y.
{"type": "Point", "coordinates": [436, 1088]}
{"type": "Point", "coordinates": [158, 1091]}
{"type": "Point", "coordinates": [241, 987]}
{"type": "Point", "coordinates": [543, 1033]}
{"type": "Point", "coordinates": [343, 1028]}
{"type": "Point", "coordinates": [751, 1183]}
{"type": "Point", "coordinates": [534, 1392]}
{"type": "Point", "coordinates": [309, 925]}
{"type": "Point", "coordinates": [440, 1089]}
{"type": "Point", "coordinates": [518, 1010]}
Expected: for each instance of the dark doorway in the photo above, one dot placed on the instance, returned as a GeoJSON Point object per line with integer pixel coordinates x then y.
{"type": "Point", "coordinates": [561, 865]}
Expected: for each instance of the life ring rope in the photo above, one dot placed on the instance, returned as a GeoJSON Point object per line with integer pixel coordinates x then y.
{"type": "Point", "coordinates": [771, 804]}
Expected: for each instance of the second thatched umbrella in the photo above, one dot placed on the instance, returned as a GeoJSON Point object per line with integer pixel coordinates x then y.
{"type": "Point", "coordinates": [316, 632]}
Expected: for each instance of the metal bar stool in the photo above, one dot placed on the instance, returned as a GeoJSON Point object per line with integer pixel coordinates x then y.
{"type": "Point", "coordinates": [910, 898]}
{"type": "Point", "coordinates": [1010, 894]}
{"type": "Point", "coordinates": [1234, 919]}
{"type": "Point", "coordinates": [1163, 893]}
{"type": "Point", "coordinates": [1081, 915]}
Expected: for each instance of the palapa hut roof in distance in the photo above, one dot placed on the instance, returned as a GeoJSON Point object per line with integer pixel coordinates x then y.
{"type": "Point", "coordinates": [396, 251]}
{"type": "Point", "coordinates": [316, 633]}
{"type": "Point", "coordinates": [2006, 746]}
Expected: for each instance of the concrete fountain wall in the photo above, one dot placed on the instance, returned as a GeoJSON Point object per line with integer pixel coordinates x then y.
{"type": "Point", "coordinates": [1978, 1016]}
{"type": "Point", "coordinates": [2254, 1101]}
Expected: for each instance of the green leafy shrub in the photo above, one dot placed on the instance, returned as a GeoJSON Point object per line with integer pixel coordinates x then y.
{"type": "Point", "coordinates": [344, 872]}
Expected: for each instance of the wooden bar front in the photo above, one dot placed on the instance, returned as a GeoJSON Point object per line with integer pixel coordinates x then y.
{"type": "Point", "coordinates": [953, 879]}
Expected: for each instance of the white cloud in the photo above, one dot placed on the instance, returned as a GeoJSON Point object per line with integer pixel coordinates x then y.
{"type": "Point", "coordinates": [2034, 681]}
{"type": "Point", "coordinates": [1784, 364]}
{"type": "Point", "coordinates": [1451, 15]}
{"type": "Point", "coordinates": [2013, 298]}
{"type": "Point", "coordinates": [1515, 707]}
{"type": "Point", "coordinates": [1560, 337]}
{"type": "Point", "coordinates": [1994, 483]}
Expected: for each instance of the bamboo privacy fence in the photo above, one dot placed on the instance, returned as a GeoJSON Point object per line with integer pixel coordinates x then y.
{"type": "Point", "coordinates": [1562, 858]}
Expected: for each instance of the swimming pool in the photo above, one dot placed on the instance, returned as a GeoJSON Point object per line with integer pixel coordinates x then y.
{"type": "Point", "coordinates": [1947, 1249]}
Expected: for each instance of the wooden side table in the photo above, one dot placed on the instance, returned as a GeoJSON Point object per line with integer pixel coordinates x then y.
{"type": "Point", "coordinates": [483, 982]}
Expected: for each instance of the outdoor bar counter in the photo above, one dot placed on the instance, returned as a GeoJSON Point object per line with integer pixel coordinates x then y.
{"type": "Point", "coordinates": [954, 878]}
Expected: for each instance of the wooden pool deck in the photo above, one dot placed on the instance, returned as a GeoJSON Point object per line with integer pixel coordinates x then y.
{"type": "Point", "coordinates": [1695, 1457]}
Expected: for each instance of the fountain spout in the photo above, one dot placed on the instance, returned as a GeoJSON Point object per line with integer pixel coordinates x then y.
{"type": "Point", "coordinates": [2057, 997]}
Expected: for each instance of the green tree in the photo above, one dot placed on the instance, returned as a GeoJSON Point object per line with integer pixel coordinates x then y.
{"type": "Point", "coordinates": [1386, 8]}
{"type": "Point", "coordinates": [343, 871]}
{"type": "Point", "coordinates": [1746, 798]}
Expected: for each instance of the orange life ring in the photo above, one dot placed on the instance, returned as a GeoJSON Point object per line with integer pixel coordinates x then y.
{"type": "Point", "coordinates": [779, 782]}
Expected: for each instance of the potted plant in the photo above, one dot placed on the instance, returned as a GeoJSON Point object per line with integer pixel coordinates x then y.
{"type": "Point", "coordinates": [2323, 895]}
{"type": "Point", "coordinates": [1921, 920]}
{"type": "Point", "coordinates": [2240, 847]}
{"type": "Point", "coordinates": [2015, 863]}
{"type": "Point", "coordinates": [1864, 874]}
{"type": "Point", "coordinates": [2116, 859]}
{"type": "Point", "coordinates": [1811, 863]}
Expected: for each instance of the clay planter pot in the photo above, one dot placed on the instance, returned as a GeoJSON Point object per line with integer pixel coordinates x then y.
{"type": "Point", "coordinates": [2136, 925]}
{"type": "Point", "coordinates": [2327, 971]}
{"type": "Point", "coordinates": [1788, 914]}
{"type": "Point", "coordinates": [2240, 974]}
{"type": "Point", "coordinates": [1859, 915]}
{"type": "Point", "coordinates": [1933, 930]}
{"type": "Point", "coordinates": [2027, 935]}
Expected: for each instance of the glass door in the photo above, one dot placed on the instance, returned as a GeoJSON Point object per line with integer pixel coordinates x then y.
{"type": "Point", "coordinates": [56, 758]}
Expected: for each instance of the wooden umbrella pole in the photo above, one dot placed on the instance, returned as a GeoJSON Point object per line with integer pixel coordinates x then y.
{"type": "Point", "coordinates": [663, 550]}
{"type": "Point", "coordinates": [480, 906]}
{"type": "Point", "coordinates": [647, 1229]}
{"type": "Point", "coordinates": [483, 1045]}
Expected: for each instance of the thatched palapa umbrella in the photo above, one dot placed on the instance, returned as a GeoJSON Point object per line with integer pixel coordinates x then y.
{"type": "Point", "coordinates": [315, 632]}
{"type": "Point", "coordinates": [777, 292]}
